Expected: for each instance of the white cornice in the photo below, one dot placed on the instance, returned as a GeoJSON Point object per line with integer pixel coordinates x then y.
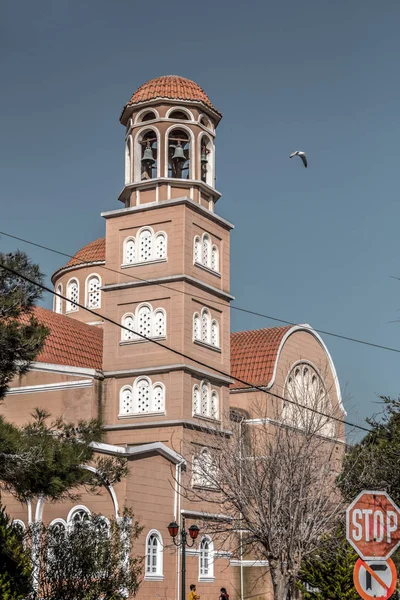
{"type": "Point", "coordinates": [141, 451]}
{"type": "Point", "coordinates": [50, 387]}
{"type": "Point", "coordinates": [192, 369]}
{"type": "Point", "coordinates": [63, 270]}
{"type": "Point", "coordinates": [172, 181]}
{"type": "Point", "coordinates": [248, 563]}
{"type": "Point", "coordinates": [65, 370]}
{"type": "Point", "coordinates": [170, 279]}
{"type": "Point", "coordinates": [205, 516]}
{"type": "Point", "coordinates": [118, 212]}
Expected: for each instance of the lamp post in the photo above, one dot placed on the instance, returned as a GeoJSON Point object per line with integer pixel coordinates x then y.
{"type": "Point", "coordinates": [180, 540]}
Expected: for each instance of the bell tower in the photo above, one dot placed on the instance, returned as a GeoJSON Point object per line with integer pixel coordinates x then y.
{"type": "Point", "coordinates": [169, 255]}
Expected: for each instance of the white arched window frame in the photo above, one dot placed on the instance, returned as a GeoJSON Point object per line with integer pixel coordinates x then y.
{"type": "Point", "coordinates": [145, 397]}
{"type": "Point", "coordinates": [72, 295]}
{"type": "Point", "coordinates": [192, 153]}
{"type": "Point", "coordinates": [151, 323]}
{"type": "Point", "coordinates": [197, 250]}
{"type": "Point", "coordinates": [205, 401]}
{"type": "Point", "coordinates": [204, 472]}
{"type": "Point", "coordinates": [206, 253]}
{"type": "Point", "coordinates": [128, 159]}
{"type": "Point", "coordinates": [182, 109]}
{"type": "Point", "coordinates": [142, 113]}
{"type": "Point", "coordinates": [154, 556]}
{"type": "Point", "coordinates": [208, 125]}
{"type": "Point", "coordinates": [215, 333]}
{"type": "Point", "coordinates": [305, 387]}
{"type": "Point", "coordinates": [129, 251]}
{"type": "Point", "coordinates": [137, 151]}
{"type": "Point", "coordinates": [58, 302]}
{"type": "Point", "coordinates": [214, 258]}
{"type": "Point", "coordinates": [92, 291]}
{"type": "Point", "coordinates": [206, 559]}
{"type": "Point", "coordinates": [205, 141]}
{"type": "Point", "coordinates": [78, 514]}
{"type": "Point", "coordinates": [126, 401]}
{"type": "Point", "coordinates": [58, 526]}
{"type": "Point", "coordinates": [146, 247]}
{"type": "Point", "coordinates": [19, 525]}
{"type": "Point", "coordinates": [206, 326]}
{"type": "Point", "coordinates": [196, 327]}
{"type": "Point", "coordinates": [206, 329]}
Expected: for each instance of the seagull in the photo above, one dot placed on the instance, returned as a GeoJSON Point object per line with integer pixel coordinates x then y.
{"type": "Point", "coordinates": [302, 156]}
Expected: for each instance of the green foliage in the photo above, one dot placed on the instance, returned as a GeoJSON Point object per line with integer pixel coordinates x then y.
{"type": "Point", "coordinates": [15, 565]}
{"type": "Point", "coordinates": [329, 571]}
{"type": "Point", "coordinates": [374, 462]}
{"type": "Point", "coordinates": [89, 561]}
{"type": "Point", "coordinates": [45, 458]}
{"type": "Point", "coordinates": [21, 336]}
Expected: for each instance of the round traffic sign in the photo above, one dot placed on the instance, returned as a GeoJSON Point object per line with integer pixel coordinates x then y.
{"type": "Point", "coordinates": [375, 579]}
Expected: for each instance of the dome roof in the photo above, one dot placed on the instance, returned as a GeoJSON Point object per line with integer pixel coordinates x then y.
{"type": "Point", "coordinates": [94, 252]}
{"type": "Point", "coordinates": [171, 87]}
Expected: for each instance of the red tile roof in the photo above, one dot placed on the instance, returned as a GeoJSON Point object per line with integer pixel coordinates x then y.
{"type": "Point", "coordinates": [254, 353]}
{"type": "Point", "coordinates": [69, 342]}
{"type": "Point", "coordinates": [93, 252]}
{"type": "Point", "coordinates": [172, 87]}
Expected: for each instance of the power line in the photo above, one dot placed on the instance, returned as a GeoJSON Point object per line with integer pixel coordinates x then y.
{"type": "Point", "coordinates": [232, 306]}
{"type": "Point", "coordinates": [182, 354]}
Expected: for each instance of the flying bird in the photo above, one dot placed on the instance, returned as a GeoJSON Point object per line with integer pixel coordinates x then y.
{"type": "Point", "coordinates": [302, 156]}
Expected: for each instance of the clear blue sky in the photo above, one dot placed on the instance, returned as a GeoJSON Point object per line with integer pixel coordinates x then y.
{"type": "Point", "coordinates": [317, 245]}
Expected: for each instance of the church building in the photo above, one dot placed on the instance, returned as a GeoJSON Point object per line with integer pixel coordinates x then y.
{"type": "Point", "coordinates": [154, 355]}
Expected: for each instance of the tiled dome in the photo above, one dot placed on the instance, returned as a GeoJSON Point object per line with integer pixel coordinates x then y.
{"type": "Point", "coordinates": [172, 87]}
{"type": "Point", "coordinates": [93, 252]}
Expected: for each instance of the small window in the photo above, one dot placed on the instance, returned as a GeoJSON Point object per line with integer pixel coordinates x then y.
{"type": "Point", "coordinates": [161, 245]}
{"type": "Point", "coordinates": [146, 246]}
{"type": "Point", "coordinates": [144, 397]}
{"type": "Point", "coordinates": [129, 251]}
{"type": "Point", "coordinates": [178, 115]}
{"type": "Point", "coordinates": [128, 321]}
{"type": "Point", "coordinates": [72, 295]}
{"type": "Point", "coordinates": [206, 253]}
{"type": "Point", "coordinates": [206, 562]}
{"type": "Point", "coordinates": [205, 401]}
{"type": "Point", "coordinates": [146, 323]}
{"type": "Point", "coordinates": [148, 116]}
{"type": "Point", "coordinates": [57, 300]}
{"type": "Point", "coordinates": [126, 401]}
{"type": "Point", "coordinates": [154, 556]}
{"type": "Point", "coordinates": [93, 294]}
{"type": "Point", "coordinates": [78, 515]}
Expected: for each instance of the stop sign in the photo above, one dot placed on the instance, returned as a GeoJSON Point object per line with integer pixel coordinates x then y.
{"type": "Point", "coordinates": [373, 525]}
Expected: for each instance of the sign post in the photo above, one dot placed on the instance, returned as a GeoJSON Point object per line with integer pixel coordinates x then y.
{"type": "Point", "coordinates": [373, 529]}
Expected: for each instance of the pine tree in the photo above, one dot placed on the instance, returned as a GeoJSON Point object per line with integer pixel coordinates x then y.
{"type": "Point", "coordinates": [328, 573]}
{"type": "Point", "coordinates": [15, 565]}
{"type": "Point", "coordinates": [21, 335]}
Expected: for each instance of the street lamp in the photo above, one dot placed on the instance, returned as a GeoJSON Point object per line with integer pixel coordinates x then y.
{"type": "Point", "coordinates": [180, 539]}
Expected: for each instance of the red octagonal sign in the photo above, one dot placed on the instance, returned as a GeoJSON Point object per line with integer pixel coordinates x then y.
{"type": "Point", "coordinates": [373, 525]}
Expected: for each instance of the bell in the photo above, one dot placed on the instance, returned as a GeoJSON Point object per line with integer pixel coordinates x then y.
{"type": "Point", "coordinates": [179, 153]}
{"type": "Point", "coordinates": [203, 158]}
{"type": "Point", "coordinates": [148, 158]}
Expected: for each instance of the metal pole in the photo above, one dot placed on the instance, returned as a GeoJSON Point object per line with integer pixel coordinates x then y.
{"type": "Point", "coordinates": [183, 568]}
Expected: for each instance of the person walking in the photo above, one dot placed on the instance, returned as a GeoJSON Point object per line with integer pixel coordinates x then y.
{"type": "Point", "coordinates": [224, 594]}
{"type": "Point", "coordinates": [192, 593]}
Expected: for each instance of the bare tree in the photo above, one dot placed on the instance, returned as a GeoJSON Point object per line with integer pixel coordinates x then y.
{"type": "Point", "coordinates": [275, 478]}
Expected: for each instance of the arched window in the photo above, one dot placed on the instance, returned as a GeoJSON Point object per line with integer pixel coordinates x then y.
{"type": "Point", "coordinates": [196, 327]}
{"type": "Point", "coordinates": [305, 388]}
{"type": "Point", "coordinates": [215, 258]}
{"type": "Point", "coordinates": [58, 528]}
{"type": "Point", "coordinates": [179, 154]}
{"type": "Point", "coordinates": [149, 322]}
{"type": "Point", "coordinates": [206, 160]}
{"type": "Point", "coordinates": [144, 397]}
{"type": "Point", "coordinates": [78, 515]}
{"type": "Point", "coordinates": [204, 471]}
{"type": "Point", "coordinates": [19, 526]}
{"type": "Point", "coordinates": [126, 401]}
{"type": "Point", "coordinates": [178, 115]}
{"type": "Point", "coordinates": [129, 251]}
{"type": "Point", "coordinates": [148, 116]}
{"type": "Point", "coordinates": [72, 295]}
{"type": "Point", "coordinates": [149, 153]}
{"type": "Point", "coordinates": [205, 329]}
{"type": "Point", "coordinates": [159, 323]}
{"type": "Point", "coordinates": [128, 160]}
{"type": "Point", "coordinates": [197, 249]}
{"type": "Point", "coordinates": [161, 245]}
{"type": "Point", "coordinates": [206, 253]}
{"type": "Point", "coordinates": [146, 246]}
{"type": "Point", "coordinates": [57, 300]}
{"type": "Point", "coordinates": [205, 401]}
{"type": "Point", "coordinates": [206, 250]}
{"type": "Point", "coordinates": [144, 318]}
{"type": "Point", "coordinates": [103, 526]}
{"type": "Point", "coordinates": [204, 121]}
{"type": "Point", "coordinates": [93, 294]}
{"type": "Point", "coordinates": [206, 560]}
{"type": "Point", "coordinates": [215, 334]}
{"type": "Point", "coordinates": [154, 556]}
